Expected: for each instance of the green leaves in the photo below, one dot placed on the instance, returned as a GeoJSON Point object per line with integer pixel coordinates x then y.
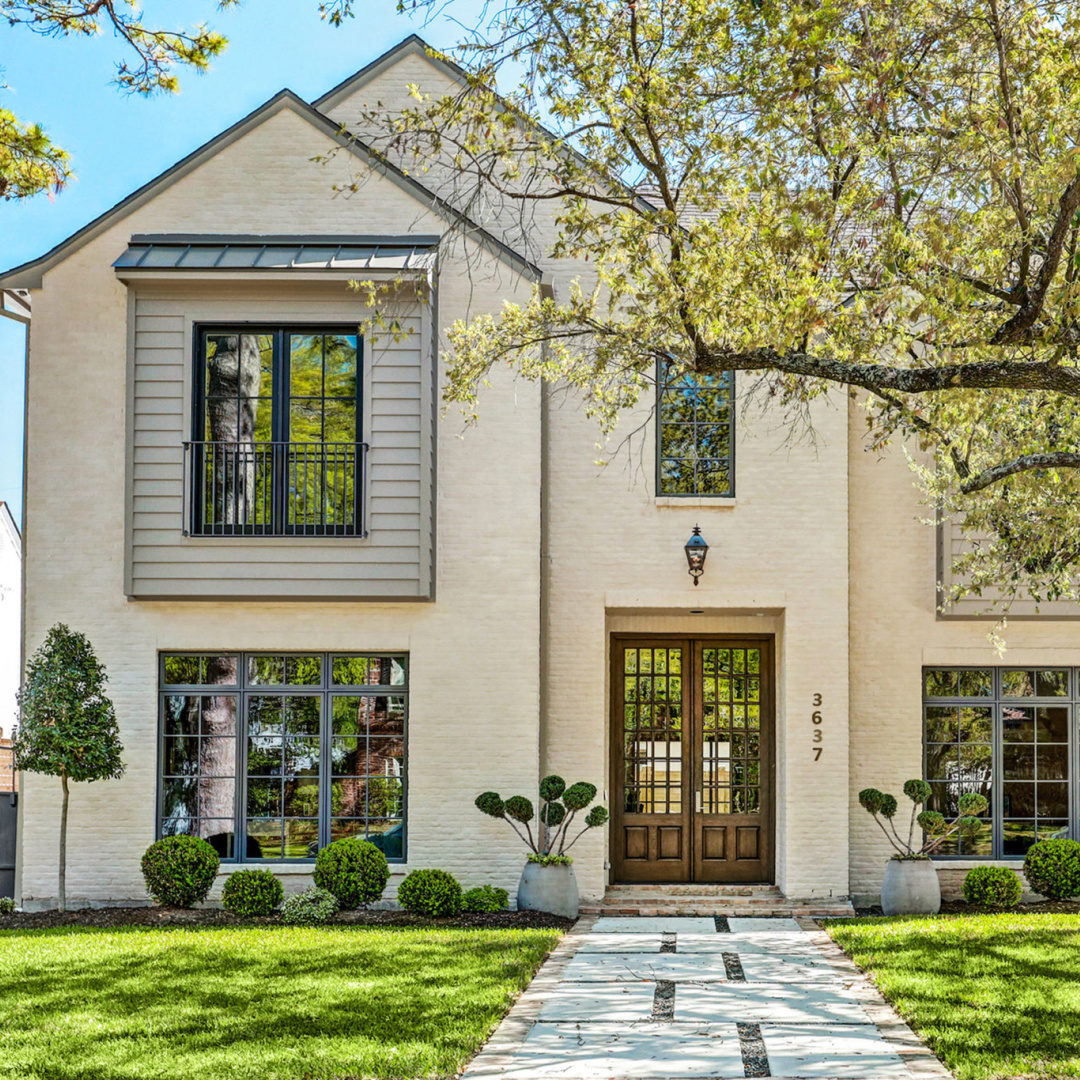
{"type": "Point", "coordinates": [825, 195]}
{"type": "Point", "coordinates": [67, 725]}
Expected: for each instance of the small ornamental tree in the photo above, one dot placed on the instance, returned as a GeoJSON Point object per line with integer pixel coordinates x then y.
{"type": "Point", "coordinates": [559, 805]}
{"type": "Point", "coordinates": [935, 828]}
{"type": "Point", "coordinates": [67, 726]}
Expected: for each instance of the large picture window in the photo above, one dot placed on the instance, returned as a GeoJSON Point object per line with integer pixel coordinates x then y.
{"type": "Point", "coordinates": [695, 426]}
{"type": "Point", "coordinates": [1007, 734]}
{"type": "Point", "coordinates": [287, 752]}
{"type": "Point", "coordinates": [276, 449]}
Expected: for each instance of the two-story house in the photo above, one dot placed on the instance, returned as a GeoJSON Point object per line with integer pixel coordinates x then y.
{"type": "Point", "coordinates": [330, 609]}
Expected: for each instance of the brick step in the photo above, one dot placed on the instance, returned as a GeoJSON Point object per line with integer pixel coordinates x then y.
{"type": "Point", "coordinates": [721, 907]}
{"type": "Point", "coordinates": [766, 892]}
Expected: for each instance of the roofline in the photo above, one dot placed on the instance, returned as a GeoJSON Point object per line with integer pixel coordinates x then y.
{"type": "Point", "coordinates": [414, 45]}
{"type": "Point", "coordinates": [417, 46]}
{"type": "Point", "coordinates": [253, 240]}
{"type": "Point", "coordinates": [30, 274]}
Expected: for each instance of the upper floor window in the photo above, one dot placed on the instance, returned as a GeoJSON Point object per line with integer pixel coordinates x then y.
{"type": "Point", "coordinates": [695, 452]}
{"type": "Point", "coordinates": [276, 448]}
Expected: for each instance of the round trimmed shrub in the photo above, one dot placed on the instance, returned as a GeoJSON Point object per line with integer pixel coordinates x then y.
{"type": "Point", "coordinates": [251, 892]}
{"type": "Point", "coordinates": [312, 907]}
{"type": "Point", "coordinates": [430, 892]}
{"type": "Point", "coordinates": [354, 870]}
{"type": "Point", "coordinates": [179, 870]}
{"type": "Point", "coordinates": [485, 899]}
{"type": "Point", "coordinates": [7, 905]}
{"type": "Point", "coordinates": [1052, 868]}
{"type": "Point", "coordinates": [992, 886]}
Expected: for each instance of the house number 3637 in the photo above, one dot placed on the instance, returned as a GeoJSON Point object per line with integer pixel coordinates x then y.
{"type": "Point", "coordinates": [815, 719]}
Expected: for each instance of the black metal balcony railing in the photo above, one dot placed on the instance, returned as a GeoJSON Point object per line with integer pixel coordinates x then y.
{"type": "Point", "coordinates": [274, 489]}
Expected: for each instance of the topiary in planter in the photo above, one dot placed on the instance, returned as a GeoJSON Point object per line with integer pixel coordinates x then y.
{"type": "Point", "coordinates": [485, 899]}
{"type": "Point", "coordinates": [434, 893]}
{"type": "Point", "coordinates": [992, 886]}
{"type": "Point", "coordinates": [1052, 868]}
{"type": "Point", "coordinates": [179, 870]}
{"type": "Point", "coordinates": [251, 892]}
{"type": "Point", "coordinates": [312, 907]}
{"type": "Point", "coordinates": [354, 870]}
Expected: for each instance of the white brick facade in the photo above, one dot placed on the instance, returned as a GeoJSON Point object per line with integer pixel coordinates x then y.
{"type": "Point", "coordinates": [822, 547]}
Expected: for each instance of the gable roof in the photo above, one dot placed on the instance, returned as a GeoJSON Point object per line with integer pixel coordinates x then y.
{"type": "Point", "coordinates": [30, 274]}
{"type": "Point", "coordinates": [414, 45]}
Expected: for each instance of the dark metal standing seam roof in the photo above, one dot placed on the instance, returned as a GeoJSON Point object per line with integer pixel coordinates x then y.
{"type": "Point", "coordinates": [352, 253]}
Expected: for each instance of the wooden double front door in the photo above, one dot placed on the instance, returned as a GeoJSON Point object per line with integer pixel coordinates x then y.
{"type": "Point", "coordinates": [692, 759]}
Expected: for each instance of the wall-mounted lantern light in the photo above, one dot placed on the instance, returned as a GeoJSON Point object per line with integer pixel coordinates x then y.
{"type": "Point", "coordinates": [696, 549]}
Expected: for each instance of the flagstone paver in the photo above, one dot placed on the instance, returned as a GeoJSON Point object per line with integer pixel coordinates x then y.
{"type": "Point", "coordinates": [670, 997]}
{"type": "Point", "coordinates": [632, 967]}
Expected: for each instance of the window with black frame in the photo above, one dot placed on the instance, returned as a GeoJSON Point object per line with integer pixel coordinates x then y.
{"type": "Point", "coordinates": [287, 752]}
{"type": "Point", "coordinates": [276, 448]}
{"type": "Point", "coordinates": [695, 454]}
{"type": "Point", "coordinates": [1005, 733]}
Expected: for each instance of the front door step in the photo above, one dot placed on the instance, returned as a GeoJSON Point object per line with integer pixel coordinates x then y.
{"type": "Point", "coordinates": [735, 900]}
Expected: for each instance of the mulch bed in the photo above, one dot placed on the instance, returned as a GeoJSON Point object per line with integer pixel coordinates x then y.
{"type": "Point", "coordinates": [959, 907]}
{"type": "Point", "coordinates": [109, 918]}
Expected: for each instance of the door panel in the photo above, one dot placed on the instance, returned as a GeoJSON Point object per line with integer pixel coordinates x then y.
{"type": "Point", "coordinates": [651, 830]}
{"type": "Point", "coordinates": [692, 760]}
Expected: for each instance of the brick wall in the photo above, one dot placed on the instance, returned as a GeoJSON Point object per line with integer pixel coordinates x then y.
{"type": "Point", "coordinates": [9, 778]}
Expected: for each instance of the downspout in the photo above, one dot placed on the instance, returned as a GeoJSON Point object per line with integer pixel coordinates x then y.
{"type": "Point", "coordinates": [547, 292]}
{"type": "Point", "coordinates": [15, 305]}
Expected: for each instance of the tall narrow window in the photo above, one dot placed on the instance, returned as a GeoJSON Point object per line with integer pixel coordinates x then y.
{"type": "Point", "coordinates": [696, 423]}
{"type": "Point", "coordinates": [277, 449]}
{"type": "Point", "coordinates": [287, 752]}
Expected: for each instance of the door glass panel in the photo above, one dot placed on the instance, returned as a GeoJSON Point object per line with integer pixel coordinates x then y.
{"type": "Point", "coordinates": [653, 730]}
{"type": "Point", "coordinates": [730, 741]}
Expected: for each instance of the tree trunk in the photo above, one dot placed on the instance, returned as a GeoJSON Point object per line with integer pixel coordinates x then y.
{"type": "Point", "coordinates": [63, 842]}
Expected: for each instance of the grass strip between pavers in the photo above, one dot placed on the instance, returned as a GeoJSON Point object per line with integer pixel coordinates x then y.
{"type": "Point", "coordinates": [265, 1003]}
{"type": "Point", "coordinates": [994, 996]}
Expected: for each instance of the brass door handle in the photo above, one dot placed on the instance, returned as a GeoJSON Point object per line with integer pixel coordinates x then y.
{"type": "Point", "coordinates": [697, 800]}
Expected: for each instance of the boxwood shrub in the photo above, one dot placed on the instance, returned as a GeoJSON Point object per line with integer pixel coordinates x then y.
{"type": "Point", "coordinates": [430, 892]}
{"type": "Point", "coordinates": [179, 870]}
{"type": "Point", "coordinates": [251, 892]}
{"type": "Point", "coordinates": [354, 870]}
{"type": "Point", "coordinates": [485, 899]}
{"type": "Point", "coordinates": [7, 905]}
{"type": "Point", "coordinates": [992, 886]}
{"type": "Point", "coordinates": [312, 907]}
{"type": "Point", "coordinates": [1052, 868]}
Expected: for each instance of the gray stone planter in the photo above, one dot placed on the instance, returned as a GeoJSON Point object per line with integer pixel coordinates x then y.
{"type": "Point", "coordinates": [548, 888]}
{"type": "Point", "coordinates": [910, 888]}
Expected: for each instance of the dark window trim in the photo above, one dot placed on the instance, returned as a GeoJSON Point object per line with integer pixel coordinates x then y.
{"type": "Point", "coordinates": [193, 513]}
{"type": "Point", "coordinates": [658, 478]}
{"type": "Point", "coordinates": [326, 690]}
{"type": "Point", "coordinates": [994, 702]}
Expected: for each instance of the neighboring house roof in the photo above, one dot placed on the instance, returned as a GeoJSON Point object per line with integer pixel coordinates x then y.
{"type": "Point", "coordinates": [29, 275]}
{"type": "Point", "coordinates": [7, 524]}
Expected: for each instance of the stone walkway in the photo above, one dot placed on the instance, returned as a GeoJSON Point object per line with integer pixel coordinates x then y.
{"type": "Point", "coordinates": [672, 997]}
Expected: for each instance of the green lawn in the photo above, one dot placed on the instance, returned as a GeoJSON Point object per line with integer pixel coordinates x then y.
{"type": "Point", "coordinates": [265, 1003]}
{"type": "Point", "coordinates": [994, 995]}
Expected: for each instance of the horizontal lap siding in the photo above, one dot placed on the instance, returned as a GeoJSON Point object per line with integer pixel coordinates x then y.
{"type": "Point", "coordinates": [164, 563]}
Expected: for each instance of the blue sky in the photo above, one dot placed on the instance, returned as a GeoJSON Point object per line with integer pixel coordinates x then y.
{"type": "Point", "coordinates": [119, 142]}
